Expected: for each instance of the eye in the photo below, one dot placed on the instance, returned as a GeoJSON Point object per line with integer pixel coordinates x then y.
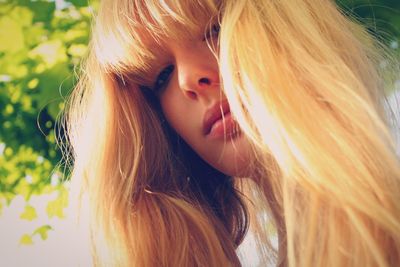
{"type": "Point", "coordinates": [162, 79]}
{"type": "Point", "coordinates": [212, 32]}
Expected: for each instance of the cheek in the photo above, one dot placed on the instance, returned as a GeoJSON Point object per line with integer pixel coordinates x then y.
{"type": "Point", "coordinates": [176, 112]}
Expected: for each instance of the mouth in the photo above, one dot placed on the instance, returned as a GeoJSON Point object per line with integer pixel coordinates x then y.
{"type": "Point", "coordinates": [218, 121]}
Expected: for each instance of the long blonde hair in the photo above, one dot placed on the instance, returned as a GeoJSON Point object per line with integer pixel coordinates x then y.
{"type": "Point", "coordinates": [301, 79]}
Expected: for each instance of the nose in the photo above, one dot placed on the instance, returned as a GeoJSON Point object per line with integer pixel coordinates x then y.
{"type": "Point", "coordinates": [198, 76]}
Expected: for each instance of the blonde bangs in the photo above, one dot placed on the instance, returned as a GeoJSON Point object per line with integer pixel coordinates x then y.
{"type": "Point", "coordinates": [174, 19]}
{"type": "Point", "coordinates": [132, 32]}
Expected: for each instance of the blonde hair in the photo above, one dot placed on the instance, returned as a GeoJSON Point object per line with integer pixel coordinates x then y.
{"type": "Point", "coordinates": [301, 79]}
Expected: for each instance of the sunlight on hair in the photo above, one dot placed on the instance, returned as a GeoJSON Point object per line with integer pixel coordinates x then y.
{"type": "Point", "coordinates": [303, 82]}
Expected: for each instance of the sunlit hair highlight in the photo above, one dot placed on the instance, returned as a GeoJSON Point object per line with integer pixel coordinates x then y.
{"type": "Point", "coordinates": [310, 96]}
{"type": "Point", "coordinates": [301, 80]}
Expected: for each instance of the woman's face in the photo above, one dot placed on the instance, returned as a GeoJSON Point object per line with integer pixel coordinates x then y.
{"type": "Point", "coordinates": [195, 106]}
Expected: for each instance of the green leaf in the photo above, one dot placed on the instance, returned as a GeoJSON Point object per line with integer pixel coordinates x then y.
{"type": "Point", "coordinates": [29, 213]}
{"type": "Point", "coordinates": [26, 240]}
{"type": "Point", "coordinates": [43, 10]}
{"type": "Point", "coordinates": [79, 3]}
{"type": "Point", "coordinates": [23, 189]}
{"type": "Point", "coordinates": [11, 35]}
{"type": "Point", "coordinates": [55, 83]}
{"type": "Point", "coordinates": [22, 15]}
{"type": "Point", "coordinates": [42, 231]}
{"type": "Point", "coordinates": [56, 207]}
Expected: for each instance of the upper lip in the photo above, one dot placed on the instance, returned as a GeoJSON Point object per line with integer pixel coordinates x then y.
{"type": "Point", "coordinates": [213, 114]}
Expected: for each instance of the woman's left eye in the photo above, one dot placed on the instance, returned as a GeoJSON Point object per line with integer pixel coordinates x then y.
{"type": "Point", "coordinates": [213, 31]}
{"type": "Point", "coordinates": [163, 78]}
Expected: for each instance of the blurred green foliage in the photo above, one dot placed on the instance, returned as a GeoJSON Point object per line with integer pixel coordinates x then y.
{"type": "Point", "coordinates": [41, 45]}
{"type": "Point", "coordinates": [380, 17]}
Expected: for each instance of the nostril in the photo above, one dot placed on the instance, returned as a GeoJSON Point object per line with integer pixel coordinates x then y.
{"type": "Point", "coordinates": [204, 81]}
{"type": "Point", "coordinates": [192, 95]}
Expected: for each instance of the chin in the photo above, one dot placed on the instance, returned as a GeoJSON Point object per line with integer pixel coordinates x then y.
{"type": "Point", "coordinates": [236, 171]}
{"type": "Point", "coordinates": [236, 161]}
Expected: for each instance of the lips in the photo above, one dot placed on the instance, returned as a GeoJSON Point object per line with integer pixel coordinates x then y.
{"type": "Point", "coordinates": [213, 114]}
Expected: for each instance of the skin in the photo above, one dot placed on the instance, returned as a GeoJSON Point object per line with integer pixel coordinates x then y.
{"type": "Point", "coordinates": [194, 87]}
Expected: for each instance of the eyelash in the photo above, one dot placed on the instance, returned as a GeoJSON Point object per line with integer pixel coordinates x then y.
{"type": "Point", "coordinates": [163, 78]}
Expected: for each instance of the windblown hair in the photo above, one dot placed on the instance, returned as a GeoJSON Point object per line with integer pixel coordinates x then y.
{"type": "Point", "coordinates": [302, 80]}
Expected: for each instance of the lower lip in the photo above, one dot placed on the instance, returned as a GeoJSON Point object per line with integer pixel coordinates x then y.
{"type": "Point", "coordinates": [225, 127]}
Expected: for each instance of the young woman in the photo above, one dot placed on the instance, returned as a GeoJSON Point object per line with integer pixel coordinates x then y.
{"type": "Point", "coordinates": [195, 122]}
